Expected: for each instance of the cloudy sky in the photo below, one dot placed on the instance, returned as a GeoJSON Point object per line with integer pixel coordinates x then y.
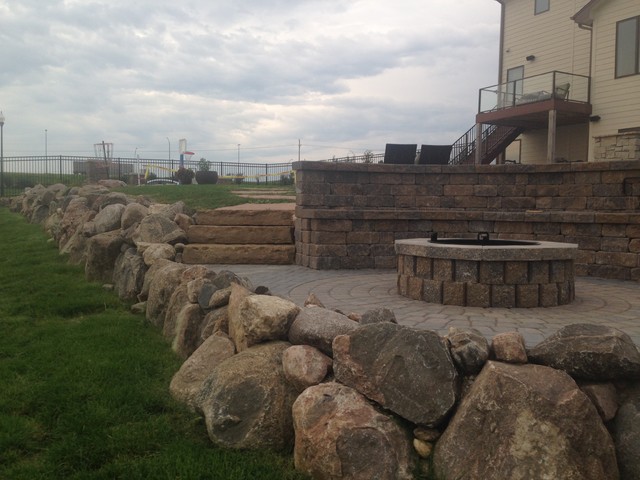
{"type": "Point", "coordinates": [341, 76]}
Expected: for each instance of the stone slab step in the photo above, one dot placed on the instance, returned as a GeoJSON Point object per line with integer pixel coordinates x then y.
{"type": "Point", "coordinates": [267, 197]}
{"type": "Point", "coordinates": [248, 215]}
{"type": "Point", "coordinates": [239, 234]}
{"type": "Point", "coordinates": [195, 254]}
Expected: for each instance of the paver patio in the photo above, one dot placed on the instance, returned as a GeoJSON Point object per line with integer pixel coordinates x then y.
{"type": "Point", "coordinates": [598, 301]}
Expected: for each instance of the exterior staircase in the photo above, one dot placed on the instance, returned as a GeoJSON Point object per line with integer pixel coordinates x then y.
{"type": "Point", "coordinates": [255, 234]}
{"type": "Point", "coordinates": [494, 140]}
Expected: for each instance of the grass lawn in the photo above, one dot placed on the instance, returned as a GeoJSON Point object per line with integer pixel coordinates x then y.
{"type": "Point", "coordinates": [84, 384]}
{"type": "Point", "coordinates": [205, 196]}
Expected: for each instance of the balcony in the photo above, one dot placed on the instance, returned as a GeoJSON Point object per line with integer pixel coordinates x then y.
{"type": "Point", "coordinates": [526, 103]}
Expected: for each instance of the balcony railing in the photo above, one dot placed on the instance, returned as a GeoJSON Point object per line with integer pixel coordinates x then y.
{"type": "Point", "coordinates": [556, 85]}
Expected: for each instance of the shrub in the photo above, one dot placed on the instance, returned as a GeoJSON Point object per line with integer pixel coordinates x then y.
{"type": "Point", "coordinates": [238, 178]}
{"type": "Point", "coordinates": [184, 176]}
{"type": "Point", "coordinates": [287, 179]}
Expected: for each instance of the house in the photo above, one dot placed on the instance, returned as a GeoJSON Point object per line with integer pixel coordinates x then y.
{"type": "Point", "coordinates": [569, 84]}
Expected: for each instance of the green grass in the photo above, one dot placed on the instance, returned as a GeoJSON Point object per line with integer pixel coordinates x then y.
{"type": "Point", "coordinates": [203, 196]}
{"type": "Point", "coordinates": [84, 383]}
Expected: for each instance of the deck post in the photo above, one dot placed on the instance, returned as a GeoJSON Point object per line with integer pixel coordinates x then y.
{"type": "Point", "coordinates": [551, 136]}
{"type": "Point", "coordinates": [478, 159]}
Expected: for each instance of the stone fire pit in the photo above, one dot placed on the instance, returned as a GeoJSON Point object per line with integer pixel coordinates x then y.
{"type": "Point", "coordinates": [486, 273]}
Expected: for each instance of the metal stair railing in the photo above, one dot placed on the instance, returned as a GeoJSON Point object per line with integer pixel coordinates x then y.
{"type": "Point", "coordinates": [493, 139]}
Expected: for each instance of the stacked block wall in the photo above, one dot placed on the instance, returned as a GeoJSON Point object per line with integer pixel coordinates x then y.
{"type": "Point", "coordinates": [349, 215]}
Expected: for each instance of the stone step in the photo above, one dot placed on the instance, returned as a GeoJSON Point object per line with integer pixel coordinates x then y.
{"type": "Point", "coordinates": [195, 254]}
{"type": "Point", "coordinates": [248, 215]}
{"type": "Point", "coordinates": [239, 234]}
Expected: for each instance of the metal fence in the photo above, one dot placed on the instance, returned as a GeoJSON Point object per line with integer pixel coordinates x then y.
{"type": "Point", "coordinates": [366, 158]}
{"type": "Point", "coordinates": [17, 173]}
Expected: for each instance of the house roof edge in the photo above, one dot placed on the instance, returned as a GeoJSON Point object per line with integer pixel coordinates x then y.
{"type": "Point", "coordinates": [584, 15]}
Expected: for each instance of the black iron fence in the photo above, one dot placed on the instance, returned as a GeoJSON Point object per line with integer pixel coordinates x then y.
{"type": "Point", "coordinates": [18, 173]}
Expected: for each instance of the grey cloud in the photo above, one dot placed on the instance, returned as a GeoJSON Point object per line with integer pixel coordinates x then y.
{"type": "Point", "coordinates": [227, 71]}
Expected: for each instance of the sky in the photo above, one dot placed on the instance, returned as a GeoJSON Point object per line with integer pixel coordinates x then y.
{"type": "Point", "coordinates": [313, 79]}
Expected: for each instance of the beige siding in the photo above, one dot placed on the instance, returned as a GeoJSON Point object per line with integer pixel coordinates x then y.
{"type": "Point", "coordinates": [615, 100]}
{"type": "Point", "coordinates": [558, 44]}
{"type": "Point", "coordinates": [571, 144]}
{"type": "Point", "coordinates": [555, 40]}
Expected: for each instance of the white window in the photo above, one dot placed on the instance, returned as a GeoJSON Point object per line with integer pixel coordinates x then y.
{"type": "Point", "coordinates": [541, 6]}
{"type": "Point", "coordinates": [628, 47]}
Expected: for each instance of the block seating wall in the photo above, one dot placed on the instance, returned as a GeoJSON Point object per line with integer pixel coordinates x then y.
{"type": "Point", "coordinates": [511, 279]}
{"type": "Point", "coordinates": [348, 216]}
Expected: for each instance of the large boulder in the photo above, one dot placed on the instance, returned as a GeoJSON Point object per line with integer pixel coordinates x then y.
{"type": "Point", "coordinates": [407, 371]}
{"type": "Point", "coordinates": [35, 197]}
{"type": "Point", "coordinates": [184, 319]}
{"type": "Point", "coordinates": [157, 228]}
{"type": "Point", "coordinates": [178, 300]}
{"type": "Point", "coordinates": [133, 214]}
{"type": "Point", "coordinates": [340, 435]}
{"type": "Point", "coordinates": [103, 251]}
{"type": "Point", "coordinates": [112, 183]}
{"type": "Point", "coordinates": [153, 252]}
{"type": "Point", "coordinates": [52, 224]}
{"type": "Point", "coordinates": [58, 188]}
{"type": "Point", "coordinates": [76, 248]}
{"type": "Point", "coordinates": [215, 299]}
{"type": "Point", "coordinates": [186, 383]}
{"type": "Point", "coordinates": [627, 436]}
{"type": "Point", "coordinates": [92, 193]}
{"type": "Point", "coordinates": [215, 321]}
{"type": "Point", "coordinates": [525, 422]}
{"type": "Point", "coordinates": [317, 326]}
{"type": "Point", "coordinates": [590, 352]}
{"type": "Point", "coordinates": [106, 220]}
{"type": "Point", "coordinates": [76, 213]}
{"type": "Point", "coordinates": [305, 366]}
{"type": "Point", "coordinates": [246, 400]}
{"type": "Point", "coordinates": [604, 397]}
{"type": "Point", "coordinates": [261, 318]}
{"type": "Point", "coordinates": [188, 326]}
{"type": "Point", "coordinates": [469, 349]}
{"type": "Point", "coordinates": [40, 214]}
{"type": "Point", "coordinates": [169, 211]}
{"type": "Point", "coordinates": [159, 284]}
{"type": "Point", "coordinates": [236, 298]}
{"type": "Point", "coordinates": [111, 198]}
{"type": "Point", "coordinates": [128, 275]}
{"type": "Point", "coordinates": [509, 347]}
{"type": "Point", "coordinates": [225, 279]}
{"type": "Point", "coordinates": [377, 315]}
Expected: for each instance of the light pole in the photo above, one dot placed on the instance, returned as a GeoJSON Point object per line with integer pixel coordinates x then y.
{"type": "Point", "coordinates": [169, 141]}
{"type": "Point", "coordinates": [1, 154]}
{"type": "Point", "coordinates": [46, 153]}
{"type": "Point", "coordinates": [238, 159]}
{"type": "Point", "coordinates": [137, 157]}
